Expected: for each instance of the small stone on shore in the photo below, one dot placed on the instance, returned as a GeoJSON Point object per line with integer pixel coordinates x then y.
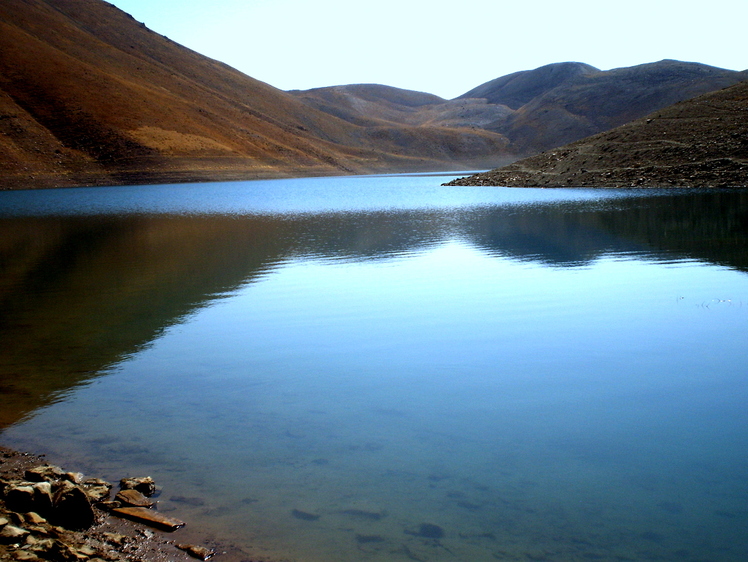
{"type": "Point", "coordinates": [199, 552]}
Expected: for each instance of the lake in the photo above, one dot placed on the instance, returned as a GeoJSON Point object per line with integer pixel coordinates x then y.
{"type": "Point", "coordinates": [380, 368]}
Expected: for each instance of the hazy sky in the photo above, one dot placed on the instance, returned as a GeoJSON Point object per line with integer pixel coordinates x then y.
{"type": "Point", "coordinates": [439, 47]}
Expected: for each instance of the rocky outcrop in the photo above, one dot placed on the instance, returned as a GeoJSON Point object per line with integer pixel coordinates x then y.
{"type": "Point", "coordinates": [49, 514]}
{"type": "Point", "coordinates": [701, 142]}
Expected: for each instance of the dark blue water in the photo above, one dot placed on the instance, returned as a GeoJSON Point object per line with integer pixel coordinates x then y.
{"type": "Point", "coordinates": [382, 368]}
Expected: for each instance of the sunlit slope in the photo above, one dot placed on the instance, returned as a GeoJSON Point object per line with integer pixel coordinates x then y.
{"type": "Point", "coordinates": [90, 96]}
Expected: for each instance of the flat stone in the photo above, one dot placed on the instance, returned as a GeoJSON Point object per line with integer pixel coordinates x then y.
{"type": "Point", "coordinates": [4, 521]}
{"type": "Point", "coordinates": [199, 552]}
{"type": "Point", "coordinates": [12, 534]}
{"type": "Point", "coordinates": [149, 517]}
{"type": "Point", "coordinates": [133, 498]}
{"type": "Point", "coordinates": [25, 556]}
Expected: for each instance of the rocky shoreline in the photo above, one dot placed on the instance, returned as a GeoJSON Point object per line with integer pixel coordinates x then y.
{"type": "Point", "coordinates": [49, 514]}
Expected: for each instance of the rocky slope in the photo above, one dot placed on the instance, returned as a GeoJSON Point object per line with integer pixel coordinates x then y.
{"type": "Point", "coordinates": [90, 96]}
{"type": "Point", "coordinates": [702, 142]}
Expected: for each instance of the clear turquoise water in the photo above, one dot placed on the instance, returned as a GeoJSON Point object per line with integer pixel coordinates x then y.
{"type": "Point", "coordinates": [333, 368]}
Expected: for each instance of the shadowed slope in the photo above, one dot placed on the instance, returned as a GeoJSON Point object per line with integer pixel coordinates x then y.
{"type": "Point", "coordinates": [701, 142]}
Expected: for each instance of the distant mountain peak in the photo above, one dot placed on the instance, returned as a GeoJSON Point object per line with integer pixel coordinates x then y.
{"type": "Point", "coordinates": [516, 89]}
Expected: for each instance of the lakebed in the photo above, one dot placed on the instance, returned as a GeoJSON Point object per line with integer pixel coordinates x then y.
{"type": "Point", "coordinates": [382, 368]}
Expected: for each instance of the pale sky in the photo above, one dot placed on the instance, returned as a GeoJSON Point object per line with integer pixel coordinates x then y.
{"type": "Point", "coordinates": [443, 48]}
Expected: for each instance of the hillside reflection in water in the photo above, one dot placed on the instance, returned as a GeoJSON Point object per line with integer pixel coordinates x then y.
{"type": "Point", "coordinates": [532, 371]}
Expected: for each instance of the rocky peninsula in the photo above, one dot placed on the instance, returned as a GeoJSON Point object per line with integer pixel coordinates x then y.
{"type": "Point", "coordinates": [702, 142]}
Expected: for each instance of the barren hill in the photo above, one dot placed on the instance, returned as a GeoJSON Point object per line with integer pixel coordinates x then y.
{"type": "Point", "coordinates": [89, 96]}
{"type": "Point", "coordinates": [701, 142]}
{"type": "Point", "coordinates": [534, 109]}
{"type": "Point", "coordinates": [560, 103]}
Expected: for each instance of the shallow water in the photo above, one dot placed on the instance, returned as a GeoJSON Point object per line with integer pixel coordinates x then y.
{"type": "Point", "coordinates": [381, 368]}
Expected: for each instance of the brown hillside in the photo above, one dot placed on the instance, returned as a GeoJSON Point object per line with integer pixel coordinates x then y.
{"type": "Point", "coordinates": [702, 142]}
{"type": "Point", "coordinates": [89, 96]}
{"type": "Point", "coordinates": [563, 102]}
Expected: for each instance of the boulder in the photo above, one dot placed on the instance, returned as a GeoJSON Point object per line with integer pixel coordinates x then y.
{"type": "Point", "coordinates": [20, 497]}
{"type": "Point", "coordinates": [144, 484]}
{"type": "Point", "coordinates": [72, 509]}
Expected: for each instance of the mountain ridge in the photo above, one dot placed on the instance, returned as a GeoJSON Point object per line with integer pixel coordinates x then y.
{"type": "Point", "coordinates": [89, 96]}
{"type": "Point", "coordinates": [699, 142]}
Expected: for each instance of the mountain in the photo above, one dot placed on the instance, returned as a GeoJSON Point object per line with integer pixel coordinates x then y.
{"type": "Point", "coordinates": [534, 110]}
{"type": "Point", "coordinates": [701, 142]}
{"type": "Point", "coordinates": [517, 89]}
{"type": "Point", "coordinates": [596, 102]}
{"type": "Point", "coordinates": [89, 96]}
{"type": "Point", "coordinates": [373, 104]}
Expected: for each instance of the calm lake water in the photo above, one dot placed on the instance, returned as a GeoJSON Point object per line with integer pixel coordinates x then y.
{"type": "Point", "coordinates": [383, 369]}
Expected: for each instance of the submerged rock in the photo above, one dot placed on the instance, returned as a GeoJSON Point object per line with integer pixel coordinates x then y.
{"type": "Point", "coordinates": [304, 515]}
{"type": "Point", "coordinates": [427, 531]}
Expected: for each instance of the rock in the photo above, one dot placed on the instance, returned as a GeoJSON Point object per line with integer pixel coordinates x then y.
{"type": "Point", "coordinates": [74, 477]}
{"type": "Point", "coordinates": [108, 505]}
{"type": "Point", "coordinates": [61, 551]}
{"type": "Point", "coordinates": [304, 515]}
{"type": "Point", "coordinates": [20, 498]}
{"type": "Point", "coordinates": [149, 517]}
{"type": "Point", "coordinates": [115, 538]}
{"type": "Point", "coordinates": [133, 498]}
{"type": "Point", "coordinates": [97, 493]}
{"type": "Point", "coordinates": [10, 534]}
{"type": "Point", "coordinates": [33, 518]}
{"type": "Point", "coordinates": [44, 473]}
{"type": "Point", "coordinates": [42, 498]}
{"type": "Point", "coordinates": [199, 552]}
{"type": "Point", "coordinates": [25, 556]}
{"type": "Point", "coordinates": [98, 490]}
{"type": "Point", "coordinates": [3, 522]}
{"type": "Point", "coordinates": [427, 531]}
{"type": "Point", "coordinates": [143, 484]}
{"type": "Point", "coordinates": [72, 509]}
